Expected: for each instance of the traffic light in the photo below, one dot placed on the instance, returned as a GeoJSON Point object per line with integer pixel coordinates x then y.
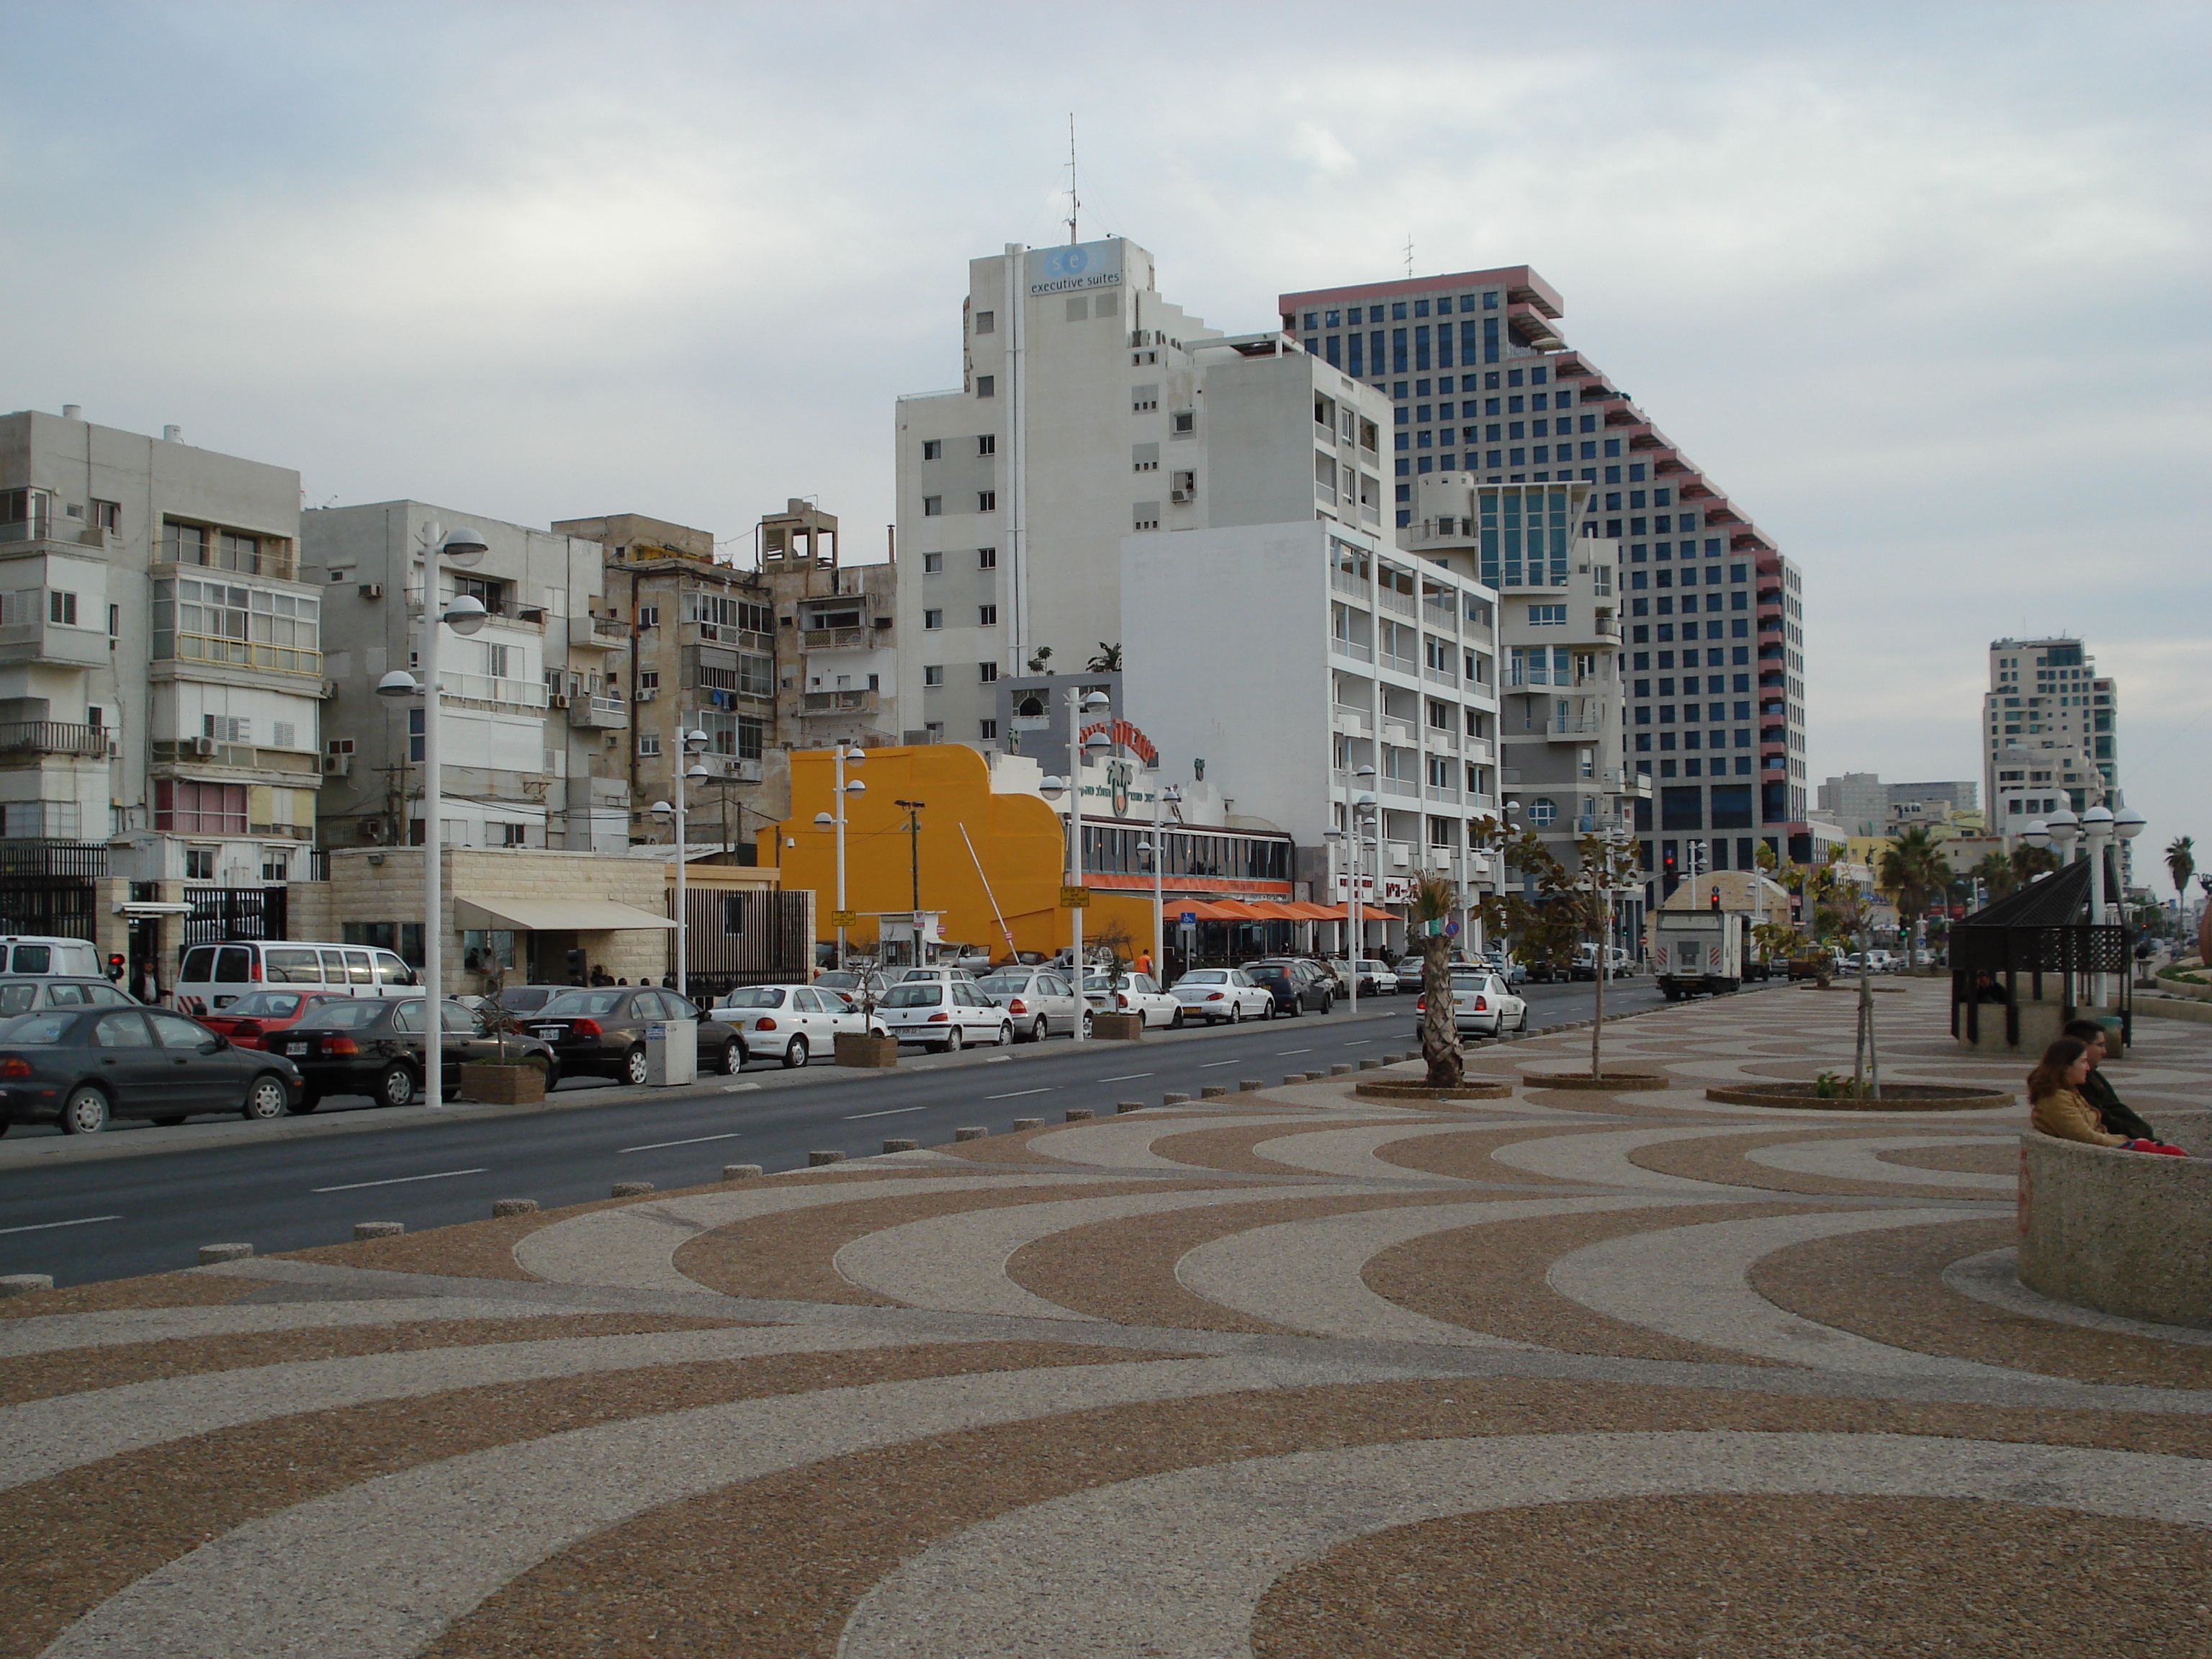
{"type": "Point", "coordinates": [1716, 900]}
{"type": "Point", "coordinates": [115, 967]}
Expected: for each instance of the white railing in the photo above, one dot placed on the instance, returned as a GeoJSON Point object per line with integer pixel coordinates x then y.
{"type": "Point", "coordinates": [1401, 603]}
{"type": "Point", "coordinates": [1352, 649]}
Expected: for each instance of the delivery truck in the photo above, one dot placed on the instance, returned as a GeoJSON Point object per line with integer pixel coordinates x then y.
{"type": "Point", "coordinates": [1698, 952]}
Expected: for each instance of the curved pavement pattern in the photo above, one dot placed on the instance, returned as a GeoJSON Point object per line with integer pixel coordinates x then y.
{"type": "Point", "coordinates": [1096, 1391]}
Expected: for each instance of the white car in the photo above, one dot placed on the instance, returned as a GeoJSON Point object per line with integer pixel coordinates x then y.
{"type": "Point", "coordinates": [1214, 994]}
{"type": "Point", "coordinates": [905, 976]}
{"type": "Point", "coordinates": [943, 1014]}
{"type": "Point", "coordinates": [790, 1022]}
{"type": "Point", "coordinates": [1133, 994]}
{"type": "Point", "coordinates": [1041, 1000]}
{"type": "Point", "coordinates": [1481, 1005]}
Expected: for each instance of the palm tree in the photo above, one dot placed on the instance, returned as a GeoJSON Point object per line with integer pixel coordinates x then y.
{"type": "Point", "coordinates": [1994, 872]}
{"type": "Point", "coordinates": [1434, 898]}
{"type": "Point", "coordinates": [1913, 871]}
{"type": "Point", "coordinates": [2181, 862]}
{"type": "Point", "coordinates": [1040, 660]}
{"type": "Point", "coordinates": [1108, 659]}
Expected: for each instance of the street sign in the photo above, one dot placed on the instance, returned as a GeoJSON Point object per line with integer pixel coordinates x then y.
{"type": "Point", "coordinates": [1451, 930]}
{"type": "Point", "coordinates": [1189, 918]}
{"type": "Point", "coordinates": [844, 918]}
{"type": "Point", "coordinates": [1075, 898]}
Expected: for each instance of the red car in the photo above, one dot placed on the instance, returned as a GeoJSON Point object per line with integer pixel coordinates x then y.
{"type": "Point", "coordinates": [254, 1015]}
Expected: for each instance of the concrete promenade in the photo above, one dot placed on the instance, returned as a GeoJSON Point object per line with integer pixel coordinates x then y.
{"type": "Point", "coordinates": [1282, 1373]}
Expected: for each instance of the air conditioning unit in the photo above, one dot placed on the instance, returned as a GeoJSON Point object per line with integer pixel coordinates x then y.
{"type": "Point", "coordinates": [1400, 857]}
{"type": "Point", "coordinates": [370, 828]}
{"type": "Point", "coordinates": [204, 747]}
{"type": "Point", "coordinates": [1180, 495]}
{"type": "Point", "coordinates": [337, 766]}
{"type": "Point", "coordinates": [372, 590]}
{"type": "Point", "coordinates": [745, 771]}
{"type": "Point", "coordinates": [646, 695]}
{"type": "Point", "coordinates": [557, 699]}
{"type": "Point", "coordinates": [330, 691]}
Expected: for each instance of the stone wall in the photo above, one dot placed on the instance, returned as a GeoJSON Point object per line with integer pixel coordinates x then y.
{"type": "Point", "coordinates": [2125, 1233]}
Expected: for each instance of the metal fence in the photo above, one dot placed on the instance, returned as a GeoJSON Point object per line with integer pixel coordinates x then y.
{"type": "Point", "coordinates": [744, 938]}
{"type": "Point", "coordinates": [47, 886]}
{"type": "Point", "coordinates": [222, 913]}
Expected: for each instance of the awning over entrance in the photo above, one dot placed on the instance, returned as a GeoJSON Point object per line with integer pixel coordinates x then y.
{"type": "Point", "coordinates": [553, 916]}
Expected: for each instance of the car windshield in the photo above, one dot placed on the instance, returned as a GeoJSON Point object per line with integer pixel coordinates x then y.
{"type": "Point", "coordinates": [755, 996]}
{"type": "Point", "coordinates": [526, 998]}
{"type": "Point", "coordinates": [351, 1013]}
{"type": "Point", "coordinates": [266, 1005]}
{"type": "Point", "coordinates": [1469, 981]}
{"type": "Point", "coordinates": [916, 993]}
{"type": "Point", "coordinates": [1206, 976]}
{"type": "Point", "coordinates": [30, 1030]}
{"type": "Point", "coordinates": [1263, 974]}
{"type": "Point", "coordinates": [1004, 984]}
{"type": "Point", "coordinates": [584, 1002]}
{"type": "Point", "coordinates": [839, 981]}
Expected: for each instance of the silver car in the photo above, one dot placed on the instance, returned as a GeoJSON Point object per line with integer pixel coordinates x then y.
{"type": "Point", "coordinates": [1215, 995]}
{"type": "Point", "coordinates": [790, 1022]}
{"type": "Point", "coordinates": [943, 1014]}
{"type": "Point", "coordinates": [1481, 1005]}
{"type": "Point", "coordinates": [1041, 1000]}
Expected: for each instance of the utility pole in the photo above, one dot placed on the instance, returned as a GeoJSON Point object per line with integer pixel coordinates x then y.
{"type": "Point", "coordinates": [913, 861]}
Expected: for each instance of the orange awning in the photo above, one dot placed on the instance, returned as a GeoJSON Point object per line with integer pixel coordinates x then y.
{"type": "Point", "coordinates": [1325, 912]}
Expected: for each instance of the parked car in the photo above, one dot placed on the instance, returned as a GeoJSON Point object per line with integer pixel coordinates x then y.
{"type": "Point", "coordinates": [974, 958]}
{"type": "Point", "coordinates": [940, 972]}
{"type": "Point", "coordinates": [1545, 971]}
{"type": "Point", "coordinates": [84, 1067]}
{"type": "Point", "coordinates": [1481, 1005]}
{"type": "Point", "coordinates": [213, 976]}
{"type": "Point", "coordinates": [1377, 978]}
{"type": "Point", "coordinates": [1133, 994]}
{"type": "Point", "coordinates": [36, 955]}
{"type": "Point", "coordinates": [1215, 995]}
{"type": "Point", "coordinates": [373, 1046]}
{"type": "Point", "coordinates": [1292, 995]}
{"type": "Point", "coordinates": [523, 1000]}
{"type": "Point", "coordinates": [259, 1017]}
{"type": "Point", "coordinates": [944, 1014]}
{"type": "Point", "coordinates": [1041, 1000]}
{"type": "Point", "coordinates": [790, 1023]}
{"type": "Point", "coordinates": [1511, 969]}
{"type": "Point", "coordinates": [29, 996]}
{"type": "Point", "coordinates": [600, 1031]}
{"type": "Point", "coordinates": [853, 984]}
{"type": "Point", "coordinates": [1316, 989]}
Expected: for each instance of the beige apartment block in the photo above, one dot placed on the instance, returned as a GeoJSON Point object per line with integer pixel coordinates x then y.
{"type": "Point", "coordinates": [2049, 733]}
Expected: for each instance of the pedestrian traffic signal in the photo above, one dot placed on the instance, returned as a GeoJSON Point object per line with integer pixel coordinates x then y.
{"type": "Point", "coordinates": [115, 967]}
{"type": "Point", "coordinates": [1716, 900]}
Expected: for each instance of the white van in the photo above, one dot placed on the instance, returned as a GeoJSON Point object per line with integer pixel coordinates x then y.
{"type": "Point", "coordinates": [213, 976]}
{"type": "Point", "coordinates": [25, 956]}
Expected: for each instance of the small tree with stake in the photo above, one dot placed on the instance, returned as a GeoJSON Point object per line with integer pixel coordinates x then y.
{"type": "Point", "coordinates": [1434, 898]}
{"type": "Point", "coordinates": [1609, 864]}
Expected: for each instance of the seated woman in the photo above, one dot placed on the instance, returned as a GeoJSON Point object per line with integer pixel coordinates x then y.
{"type": "Point", "coordinates": [2059, 1110]}
{"type": "Point", "coordinates": [2116, 1115]}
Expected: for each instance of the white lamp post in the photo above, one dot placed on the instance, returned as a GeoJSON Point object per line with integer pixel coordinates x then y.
{"type": "Point", "coordinates": [1162, 798]}
{"type": "Point", "coordinates": [693, 744]}
{"type": "Point", "coordinates": [841, 758]}
{"type": "Point", "coordinates": [1359, 819]}
{"type": "Point", "coordinates": [1077, 703]}
{"type": "Point", "coordinates": [464, 616]}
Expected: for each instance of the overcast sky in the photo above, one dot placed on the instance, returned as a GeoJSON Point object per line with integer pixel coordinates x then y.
{"type": "Point", "coordinates": [1923, 287]}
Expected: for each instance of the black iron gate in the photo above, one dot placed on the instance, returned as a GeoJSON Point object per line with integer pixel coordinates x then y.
{"type": "Point", "coordinates": [48, 887]}
{"type": "Point", "coordinates": [222, 913]}
{"type": "Point", "coordinates": [745, 939]}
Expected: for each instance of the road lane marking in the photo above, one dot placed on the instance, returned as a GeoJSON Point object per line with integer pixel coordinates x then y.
{"type": "Point", "coordinates": [1293, 1051]}
{"type": "Point", "coordinates": [737, 1088]}
{"type": "Point", "coordinates": [1353, 1042]}
{"type": "Point", "coordinates": [998, 1060]}
{"type": "Point", "coordinates": [396, 1180]}
{"type": "Point", "coordinates": [894, 1112]}
{"type": "Point", "coordinates": [1125, 1077]}
{"type": "Point", "coordinates": [695, 1140]}
{"type": "Point", "coordinates": [41, 1226]}
{"type": "Point", "coordinates": [1210, 1064]}
{"type": "Point", "coordinates": [1016, 1094]}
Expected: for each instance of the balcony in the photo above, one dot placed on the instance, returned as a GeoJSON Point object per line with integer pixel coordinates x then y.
{"type": "Point", "coordinates": [20, 738]}
{"type": "Point", "coordinates": [598, 633]}
{"type": "Point", "coordinates": [816, 705]}
{"type": "Point", "coordinates": [843, 639]}
{"type": "Point", "coordinates": [598, 714]}
{"type": "Point", "coordinates": [53, 645]}
{"type": "Point", "coordinates": [1352, 649]}
{"type": "Point", "coordinates": [1577, 727]}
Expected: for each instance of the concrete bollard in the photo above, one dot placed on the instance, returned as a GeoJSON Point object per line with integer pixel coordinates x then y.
{"type": "Point", "coordinates": [1249, 1086]}
{"type": "Point", "coordinates": [1316, 1077]}
{"type": "Point", "coordinates": [816, 1160]}
{"type": "Point", "coordinates": [212, 1254]}
{"type": "Point", "coordinates": [970, 1134]}
{"type": "Point", "coordinates": [1022, 1123]}
{"type": "Point", "coordinates": [1212, 1090]}
{"type": "Point", "coordinates": [1121, 1107]}
{"type": "Point", "coordinates": [1077, 1113]}
{"type": "Point", "coordinates": [506, 1206]}
{"type": "Point", "coordinates": [630, 1189]}
{"type": "Point", "coordinates": [24, 1284]}
{"type": "Point", "coordinates": [378, 1229]}
{"type": "Point", "coordinates": [1175, 1100]}
{"type": "Point", "coordinates": [1339, 1071]}
{"type": "Point", "coordinates": [902, 1146]}
{"type": "Point", "coordinates": [740, 1171]}
{"type": "Point", "coordinates": [1370, 1064]}
{"type": "Point", "coordinates": [1294, 1077]}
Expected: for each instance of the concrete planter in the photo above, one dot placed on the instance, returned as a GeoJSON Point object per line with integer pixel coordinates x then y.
{"type": "Point", "coordinates": [494, 1085]}
{"type": "Point", "coordinates": [1470, 1089]}
{"type": "Point", "coordinates": [871, 1051]}
{"type": "Point", "coordinates": [1594, 1083]}
{"type": "Point", "coordinates": [1895, 1097]}
{"type": "Point", "coordinates": [2125, 1233]}
{"type": "Point", "coordinates": [1117, 1028]}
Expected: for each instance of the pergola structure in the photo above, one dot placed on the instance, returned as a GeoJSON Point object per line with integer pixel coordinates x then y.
{"type": "Point", "coordinates": [2044, 929]}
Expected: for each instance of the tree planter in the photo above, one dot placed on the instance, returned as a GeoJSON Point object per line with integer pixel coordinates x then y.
{"type": "Point", "coordinates": [1895, 1097]}
{"type": "Point", "coordinates": [1468, 1090]}
{"type": "Point", "coordinates": [494, 1085]}
{"type": "Point", "coordinates": [1598, 1082]}
{"type": "Point", "coordinates": [876, 1052]}
{"type": "Point", "coordinates": [1117, 1028]}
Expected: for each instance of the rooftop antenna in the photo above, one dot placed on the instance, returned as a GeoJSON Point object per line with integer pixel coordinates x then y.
{"type": "Point", "coordinates": [1409, 256]}
{"type": "Point", "coordinates": [1074, 202]}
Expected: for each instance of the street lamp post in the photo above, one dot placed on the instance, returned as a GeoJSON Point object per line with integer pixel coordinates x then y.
{"type": "Point", "coordinates": [914, 865]}
{"type": "Point", "coordinates": [465, 615]}
{"type": "Point", "coordinates": [1077, 703]}
{"type": "Point", "coordinates": [1162, 798]}
{"type": "Point", "coordinates": [840, 757]}
{"type": "Point", "coordinates": [694, 744]}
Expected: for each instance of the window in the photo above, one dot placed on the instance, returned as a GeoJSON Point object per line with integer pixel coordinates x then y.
{"type": "Point", "coordinates": [987, 386]}
{"type": "Point", "coordinates": [933, 674]}
{"type": "Point", "coordinates": [496, 658]}
{"type": "Point", "coordinates": [1183, 423]}
{"type": "Point", "coordinates": [648, 616]}
{"type": "Point", "coordinates": [932, 506]}
{"type": "Point", "coordinates": [227, 728]}
{"type": "Point", "coordinates": [1547, 615]}
{"type": "Point", "coordinates": [933, 449]}
{"type": "Point", "coordinates": [987, 731]}
{"type": "Point", "coordinates": [986, 616]}
{"type": "Point", "coordinates": [213, 809]}
{"type": "Point", "coordinates": [986, 558]}
{"type": "Point", "coordinates": [199, 864]}
{"type": "Point", "coordinates": [106, 515]}
{"type": "Point", "coordinates": [986, 322]}
{"type": "Point", "coordinates": [1543, 811]}
{"type": "Point", "coordinates": [986, 501]}
{"type": "Point", "coordinates": [649, 680]}
{"type": "Point", "coordinates": [986, 672]}
{"type": "Point", "coordinates": [932, 563]}
{"type": "Point", "coordinates": [648, 744]}
{"type": "Point", "coordinates": [61, 608]}
{"type": "Point", "coordinates": [932, 619]}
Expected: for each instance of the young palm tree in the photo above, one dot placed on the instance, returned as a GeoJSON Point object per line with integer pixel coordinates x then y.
{"type": "Point", "coordinates": [2181, 862]}
{"type": "Point", "coordinates": [1913, 871]}
{"type": "Point", "coordinates": [1108, 660]}
{"type": "Point", "coordinates": [1434, 898]}
{"type": "Point", "coordinates": [1994, 872]}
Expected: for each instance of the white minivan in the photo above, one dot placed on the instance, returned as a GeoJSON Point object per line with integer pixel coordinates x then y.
{"type": "Point", "coordinates": [213, 976]}
{"type": "Point", "coordinates": [26, 956]}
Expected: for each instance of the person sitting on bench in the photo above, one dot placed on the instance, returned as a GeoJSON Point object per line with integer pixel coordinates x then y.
{"type": "Point", "coordinates": [2058, 1109]}
{"type": "Point", "coordinates": [2118, 1119]}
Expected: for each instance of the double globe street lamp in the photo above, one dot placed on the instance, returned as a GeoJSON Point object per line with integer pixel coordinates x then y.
{"type": "Point", "coordinates": [694, 746]}
{"type": "Point", "coordinates": [1365, 811]}
{"type": "Point", "coordinates": [841, 758]}
{"type": "Point", "coordinates": [1079, 704]}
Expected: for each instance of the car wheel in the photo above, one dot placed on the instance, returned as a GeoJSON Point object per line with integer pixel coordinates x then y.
{"type": "Point", "coordinates": [85, 1112]}
{"type": "Point", "coordinates": [1268, 1009]}
{"type": "Point", "coordinates": [395, 1085]}
{"type": "Point", "coordinates": [732, 1059]}
{"type": "Point", "coordinates": [1005, 1033]}
{"type": "Point", "coordinates": [1038, 1032]}
{"type": "Point", "coordinates": [266, 1100]}
{"type": "Point", "coordinates": [1523, 1024]}
{"type": "Point", "coordinates": [1236, 1012]}
{"type": "Point", "coordinates": [1175, 1022]}
{"type": "Point", "coordinates": [954, 1040]}
{"type": "Point", "coordinates": [1086, 1023]}
{"type": "Point", "coordinates": [634, 1070]}
{"type": "Point", "coordinates": [794, 1053]}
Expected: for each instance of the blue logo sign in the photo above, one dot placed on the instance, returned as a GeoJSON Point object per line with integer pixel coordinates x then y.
{"type": "Point", "coordinates": [1190, 918]}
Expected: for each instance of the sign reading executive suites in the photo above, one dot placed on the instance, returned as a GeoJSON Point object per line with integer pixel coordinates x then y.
{"type": "Point", "coordinates": [1074, 270]}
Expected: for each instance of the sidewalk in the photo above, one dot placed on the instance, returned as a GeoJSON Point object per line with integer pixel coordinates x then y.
{"type": "Point", "coordinates": [1284, 1374]}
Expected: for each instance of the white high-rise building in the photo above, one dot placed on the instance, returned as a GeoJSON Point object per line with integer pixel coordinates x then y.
{"type": "Point", "coordinates": [2050, 733]}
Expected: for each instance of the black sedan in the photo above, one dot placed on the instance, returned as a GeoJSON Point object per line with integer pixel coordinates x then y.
{"type": "Point", "coordinates": [81, 1069]}
{"type": "Point", "coordinates": [1314, 986]}
{"type": "Point", "coordinates": [601, 1032]}
{"type": "Point", "coordinates": [373, 1046]}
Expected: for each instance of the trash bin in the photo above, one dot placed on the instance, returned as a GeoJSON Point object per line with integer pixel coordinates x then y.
{"type": "Point", "coordinates": [671, 1052]}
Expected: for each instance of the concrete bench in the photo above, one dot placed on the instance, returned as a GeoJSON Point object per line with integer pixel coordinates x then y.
{"type": "Point", "coordinates": [2125, 1233]}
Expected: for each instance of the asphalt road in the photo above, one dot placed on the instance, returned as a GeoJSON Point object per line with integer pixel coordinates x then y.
{"type": "Point", "coordinates": [113, 1216]}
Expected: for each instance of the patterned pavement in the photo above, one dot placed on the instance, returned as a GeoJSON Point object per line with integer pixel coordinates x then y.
{"type": "Point", "coordinates": [1280, 1374]}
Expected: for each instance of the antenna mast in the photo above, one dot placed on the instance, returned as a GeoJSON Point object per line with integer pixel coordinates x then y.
{"type": "Point", "coordinates": [1074, 202]}
{"type": "Point", "coordinates": [1409, 256]}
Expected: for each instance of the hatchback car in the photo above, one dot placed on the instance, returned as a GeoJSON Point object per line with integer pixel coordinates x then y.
{"type": "Point", "coordinates": [940, 972]}
{"type": "Point", "coordinates": [84, 1067]}
{"type": "Point", "coordinates": [1133, 994]}
{"type": "Point", "coordinates": [29, 996]}
{"type": "Point", "coordinates": [790, 1023]}
{"type": "Point", "coordinates": [601, 1032]}
{"type": "Point", "coordinates": [1481, 1005]}
{"type": "Point", "coordinates": [373, 1046]}
{"type": "Point", "coordinates": [853, 985]}
{"type": "Point", "coordinates": [1316, 989]}
{"type": "Point", "coordinates": [1041, 1000]}
{"type": "Point", "coordinates": [254, 1020]}
{"type": "Point", "coordinates": [1217, 995]}
{"type": "Point", "coordinates": [1377, 978]}
{"type": "Point", "coordinates": [943, 1015]}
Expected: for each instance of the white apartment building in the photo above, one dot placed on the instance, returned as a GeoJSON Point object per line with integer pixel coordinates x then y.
{"type": "Point", "coordinates": [2049, 733]}
{"type": "Point", "coordinates": [534, 726]}
{"type": "Point", "coordinates": [161, 668]}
